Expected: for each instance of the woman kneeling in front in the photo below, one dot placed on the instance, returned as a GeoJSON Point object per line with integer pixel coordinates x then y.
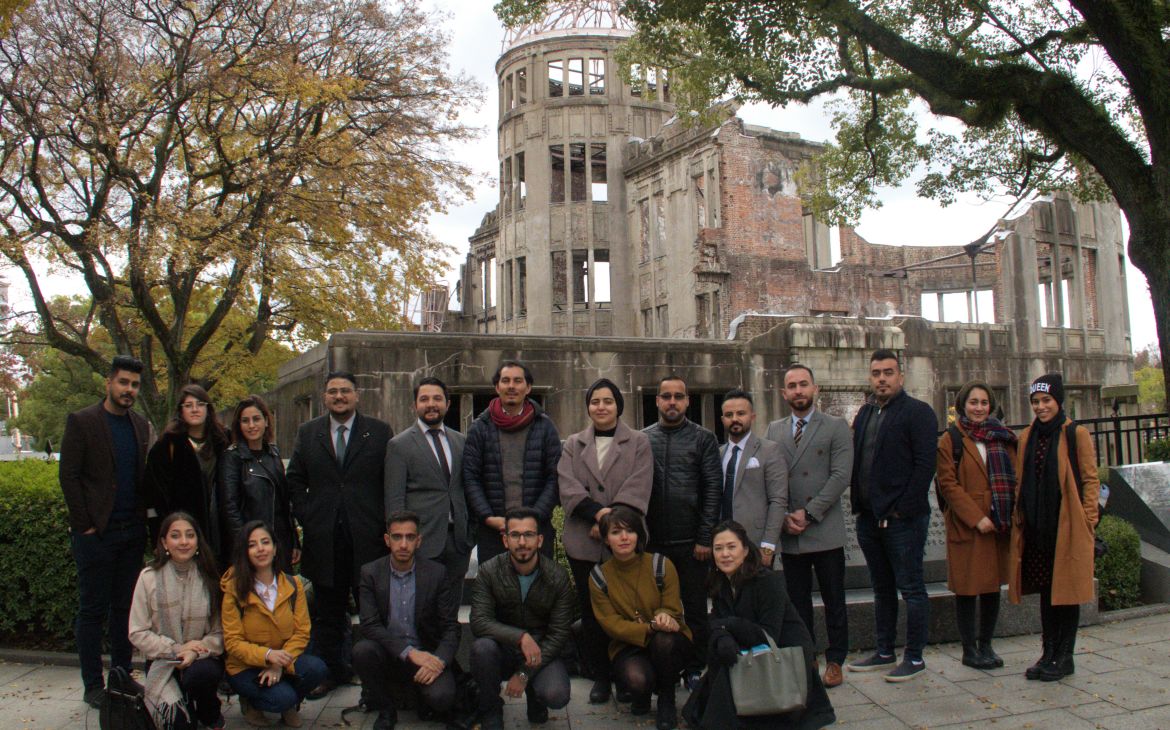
{"type": "Point", "coordinates": [265, 631]}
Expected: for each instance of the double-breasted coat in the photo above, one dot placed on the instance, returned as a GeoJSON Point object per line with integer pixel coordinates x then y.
{"type": "Point", "coordinates": [977, 562]}
{"type": "Point", "coordinates": [1072, 565]}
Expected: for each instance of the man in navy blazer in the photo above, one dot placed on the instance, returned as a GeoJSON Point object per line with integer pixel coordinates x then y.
{"type": "Point", "coordinates": [894, 442]}
{"type": "Point", "coordinates": [409, 631]}
{"type": "Point", "coordinates": [335, 479]}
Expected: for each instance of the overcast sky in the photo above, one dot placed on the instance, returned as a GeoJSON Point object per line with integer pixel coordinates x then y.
{"type": "Point", "coordinates": [903, 219]}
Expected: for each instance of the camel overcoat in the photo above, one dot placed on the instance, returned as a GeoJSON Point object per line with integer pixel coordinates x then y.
{"type": "Point", "coordinates": [976, 562]}
{"type": "Point", "coordinates": [1072, 568]}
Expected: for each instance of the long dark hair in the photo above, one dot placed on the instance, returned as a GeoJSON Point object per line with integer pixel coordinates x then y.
{"type": "Point", "coordinates": [213, 431]}
{"type": "Point", "coordinates": [204, 558]}
{"type": "Point", "coordinates": [252, 401]}
{"type": "Point", "coordinates": [243, 574]}
{"type": "Point", "coordinates": [753, 563]}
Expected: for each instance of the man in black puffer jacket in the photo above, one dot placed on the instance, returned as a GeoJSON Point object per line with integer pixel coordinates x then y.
{"type": "Point", "coordinates": [684, 502]}
{"type": "Point", "coordinates": [510, 460]}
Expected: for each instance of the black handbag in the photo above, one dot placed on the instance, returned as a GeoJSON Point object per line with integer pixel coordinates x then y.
{"type": "Point", "coordinates": [123, 706]}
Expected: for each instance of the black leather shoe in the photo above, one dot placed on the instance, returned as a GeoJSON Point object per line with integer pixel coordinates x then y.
{"type": "Point", "coordinates": [623, 695]}
{"type": "Point", "coordinates": [387, 719]}
{"type": "Point", "coordinates": [322, 690]}
{"type": "Point", "coordinates": [600, 692]}
{"type": "Point", "coordinates": [640, 705]}
{"type": "Point", "coordinates": [537, 711]}
{"type": "Point", "coordinates": [93, 697]}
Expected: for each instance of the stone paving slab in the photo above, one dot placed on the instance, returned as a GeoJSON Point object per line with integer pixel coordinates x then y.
{"type": "Point", "coordinates": [1122, 683]}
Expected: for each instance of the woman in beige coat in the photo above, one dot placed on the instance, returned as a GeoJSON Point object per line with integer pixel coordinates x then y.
{"type": "Point", "coordinates": [977, 493]}
{"type": "Point", "coordinates": [1052, 531]}
{"type": "Point", "coordinates": [607, 464]}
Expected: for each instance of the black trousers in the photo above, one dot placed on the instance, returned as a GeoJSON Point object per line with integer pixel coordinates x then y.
{"type": "Point", "coordinates": [593, 643]}
{"type": "Point", "coordinates": [330, 633]}
{"type": "Point", "coordinates": [379, 671]}
{"type": "Point", "coordinates": [829, 567]}
{"type": "Point", "coordinates": [493, 663]}
{"type": "Point", "coordinates": [456, 563]}
{"type": "Point", "coordinates": [692, 584]}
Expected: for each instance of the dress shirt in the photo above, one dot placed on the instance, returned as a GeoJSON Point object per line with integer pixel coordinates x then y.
{"type": "Point", "coordinates": [401, 622]}
{"type": "Point", "coordinates": [267, 593]}
{"type": "Point", "coordinates": [334, 423]}
{"type": "Point", "coordinates": [806, 418]}
{"type": "Point", "coordinates": [426, 432]}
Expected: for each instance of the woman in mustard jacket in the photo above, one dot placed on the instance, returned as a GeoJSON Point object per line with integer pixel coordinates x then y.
{"type": "Point", "coordinates": [265, 631]}
{"type": "Point", "coordinates": [1052, 531]}
{"type": "Point", "coordinates": [978, 495]}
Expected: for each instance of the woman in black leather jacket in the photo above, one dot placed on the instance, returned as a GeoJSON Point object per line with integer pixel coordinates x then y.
{"type": "Point", "coordinates": [252, 482]}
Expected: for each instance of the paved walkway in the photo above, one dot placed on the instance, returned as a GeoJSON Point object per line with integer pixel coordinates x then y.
{"type": "Point", "coordinates": [1122, 681]}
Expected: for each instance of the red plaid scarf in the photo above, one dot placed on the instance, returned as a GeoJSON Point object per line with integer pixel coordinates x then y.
{"type": "Point", "coordinates": [1001, 475]}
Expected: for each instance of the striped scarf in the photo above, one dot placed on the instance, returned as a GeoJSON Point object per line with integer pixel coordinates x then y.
{"type": "Point", "coordinates": [1001, 475]}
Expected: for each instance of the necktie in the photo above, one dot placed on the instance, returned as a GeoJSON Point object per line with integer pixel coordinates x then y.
{"type": "Point", "coordinates": [339, 445]}
{"type": "Point", "coordinates": [434, 432]}
{"type": "Point", "coordinates": [729, 485]}
{"type": "Point", "coordinates": [799, 432]}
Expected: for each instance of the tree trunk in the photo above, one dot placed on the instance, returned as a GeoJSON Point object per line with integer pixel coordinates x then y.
{"type": "Point", "coordinates": [1149, 250]}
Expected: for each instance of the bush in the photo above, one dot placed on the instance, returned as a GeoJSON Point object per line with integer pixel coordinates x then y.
{"type": "Point", "coordinates": [1158, 450]}
{"type": "Point", "coordinates": [40, 582]}
{"type": "Point", "coordinates": [1119, 570]}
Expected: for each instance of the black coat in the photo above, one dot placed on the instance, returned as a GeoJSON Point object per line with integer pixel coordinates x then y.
{"type": "Point", "coordinates": [761, 604]}
{"type": "Point", "coordinates": [434, 615]}
{"type": "Point", "coordinates": [688, 482]}
{"type": "Point", "coordinates": [483, 476]}
{"type": "Point", "coordinates": [904, 458]}
{"type": "Point", "coordinates": [174, 482]}
{"type": "Point", "coordinates": [322, 491]}
{"type": "Point", "coordinates": [255, 488]}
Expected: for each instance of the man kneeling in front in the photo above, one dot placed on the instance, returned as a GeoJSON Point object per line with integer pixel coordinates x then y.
{"type": "Point", "coordinates": [521, 611]}
{"type": "Point", "coordinates": [409, 629]}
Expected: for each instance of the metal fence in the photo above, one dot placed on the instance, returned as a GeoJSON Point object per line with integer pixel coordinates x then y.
{"type": "Point", "coordinates": [1123, 439]}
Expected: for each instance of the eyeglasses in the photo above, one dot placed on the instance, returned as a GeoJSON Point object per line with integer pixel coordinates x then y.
{"type": "Point", "coordinates": [338, 391]}
{"type": "Point", "coordinates": [193, 405]}
{"type": "Point", "coordinates": [672, 396]}
{"type": "Point", "coordinates": [525, 536]}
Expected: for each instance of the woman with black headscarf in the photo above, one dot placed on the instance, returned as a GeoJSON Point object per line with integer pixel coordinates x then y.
{"type": "Point", "coordinates": [1052, 532]}
{"type": "Point", "coordinates": [607, 464]}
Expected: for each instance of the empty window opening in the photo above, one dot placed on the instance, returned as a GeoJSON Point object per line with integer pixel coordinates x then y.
{"type": "Point", "coordinates": [576, 77]}
{"type": "Point", "coordinates": [957, 306]}
{"type": "Point", "coordinates": [521, 86]}
{"type": "Point", "coordinates": [509, 96]}
{"type": "Point", "coordinates": [521, 186]}
{"type": "Point", "coordinates": [601, 284]}
{"type": "Point", "coordinates": [636, 81]}
{"type": "Point", "coordinates": [506, 185]}
{"type": "Point", "coordinates": [559, 274]}
{"type": "Point", "coordinates": [577, 170]}
{"type": "Point", "coordinates": [556, 78]}
{"type": "Point", "coordinates": [556, 180]}
{"type": "Point", "coordinates": [600, 189]}
{"type": "Point", "coordinates": [596, 76]}
{"type": "Point", "coordinates": [521, 287]}
{"type": "Point", "coordinates": [580, 276]}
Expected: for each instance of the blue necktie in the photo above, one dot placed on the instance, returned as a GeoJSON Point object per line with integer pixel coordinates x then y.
{"type": "Point", "coordinates": [729, 485]}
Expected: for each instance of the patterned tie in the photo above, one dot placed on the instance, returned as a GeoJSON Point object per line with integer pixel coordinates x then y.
{"type": "Point", "coordinates": [799, 432]}
{"type": "Point", "coordinates": [434, 432]}
{"type": "Point", "coordinates": [729, 485]}
{"type": "Point", "coordinates": [339, 445]}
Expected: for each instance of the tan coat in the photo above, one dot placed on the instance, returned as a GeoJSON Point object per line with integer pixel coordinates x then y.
{"type": "Point", "coordinates": [1072, 569]}
{"type": "Point", "coordinates": [624, 478]}
{"type": "Point", "coordinates": [976, 562]}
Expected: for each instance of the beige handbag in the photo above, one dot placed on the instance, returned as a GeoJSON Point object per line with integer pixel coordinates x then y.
{"type": "Point", "coordinates": [770, 682]}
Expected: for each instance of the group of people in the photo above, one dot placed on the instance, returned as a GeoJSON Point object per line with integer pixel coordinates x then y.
{"type": "Point", "coordinates": [658, 523]}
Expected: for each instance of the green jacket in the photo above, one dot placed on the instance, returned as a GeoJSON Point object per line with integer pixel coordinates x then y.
{"type": "Point", "coordinates": [498, 613]}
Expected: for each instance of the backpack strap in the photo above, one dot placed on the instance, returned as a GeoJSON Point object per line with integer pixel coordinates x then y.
{"type": "Point", "coordinates": [1070, 435]}
{"type": "Point", "coordinates": [659, 562]}
{"type": "Point", "coordinates": [598, 578]}
{"type": "Point", "coordinates": [956, 445]}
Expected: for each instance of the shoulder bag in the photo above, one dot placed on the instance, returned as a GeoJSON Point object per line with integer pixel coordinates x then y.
{"type": "Point", "coordinates": [770, 682]}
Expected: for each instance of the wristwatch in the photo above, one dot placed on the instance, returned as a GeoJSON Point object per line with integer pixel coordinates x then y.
{"type": "Point", "coordinates": [522, 675]}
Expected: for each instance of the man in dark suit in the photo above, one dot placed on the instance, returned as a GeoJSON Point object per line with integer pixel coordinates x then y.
{"type": "Point", "coordinates": [409, 631]}
{"type": "Point", "coordinates": [755, 476]}
{"type": "Point", "coordinates": [103, 459]}
{"type": "Point", "coordinates": [894, 442]}
{"type": "Point", "coordinates": [336, 480]}
{"type": "Point", "coordinates": [819, 452]}
{"type": "Point", "coordinates": [424, 474]}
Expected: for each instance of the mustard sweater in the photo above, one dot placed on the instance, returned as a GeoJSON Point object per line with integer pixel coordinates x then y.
{"type": "Point", "coordinates": [633, 599]}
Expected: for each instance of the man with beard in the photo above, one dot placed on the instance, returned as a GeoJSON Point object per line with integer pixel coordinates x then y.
{"type": "Point", "coordinates": [684, 503]}
{"type": "Point", "coordinates": [819, 453]}
{"type": "Point", "coordinates": [337, 486]}
{"type": "Point", "coordinates": [510, 460]}
{"type": "Point", "coordinates": [409, 631]}
{"type": "Point", "coordinates": [103, 458]}
{"type": "Point", "coordinates": [521, 612]}
{"type": "Point", "coordinates": [424, 474]}
{"type": "Point", "coordinates": [755, 476]}
{"type": "Point", "coordinates": [894, 443]}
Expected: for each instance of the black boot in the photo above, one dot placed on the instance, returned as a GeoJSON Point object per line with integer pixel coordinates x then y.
{"type": "Point", "coordinates": [1065, 650]}
{"type": "Point", "coordinates": [991, 659]}
{"type": "Point", "coordinates": [973, 658]}
{"type": "Point", "coordinates": [600, 692]}
{"type": "Point", "coordinates": [667, 718]}
{"type": "Point", "coordinates": [1049, 643]}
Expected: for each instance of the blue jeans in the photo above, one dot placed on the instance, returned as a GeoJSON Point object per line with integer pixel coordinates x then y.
{"type": "Point", "coordinates": [894, 556]}
{"type": "Point", "coordinates": [107, 571]}
{"type": "Point", "coordinates": [285, 694]}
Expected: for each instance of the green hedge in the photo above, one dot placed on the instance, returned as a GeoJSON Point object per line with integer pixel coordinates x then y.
{"type": "Point", "coordinates": [1119, 570]}
{"type": "Point", "coordinates": [39, 594]}
{"type": "Point", "coordinates": [1158, 450]}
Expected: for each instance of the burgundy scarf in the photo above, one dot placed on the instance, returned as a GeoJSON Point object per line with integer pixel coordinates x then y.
{"type": "Point", "coordinates": [504, 422]}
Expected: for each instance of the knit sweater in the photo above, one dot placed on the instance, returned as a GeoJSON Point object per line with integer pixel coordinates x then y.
{"type": "Point", "coordinates": [632, 599]}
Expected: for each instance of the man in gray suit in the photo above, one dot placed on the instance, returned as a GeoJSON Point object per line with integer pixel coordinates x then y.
{"type": "Point", "coordinates": [819, 452]}
{"type": "Point", "coordinates": [755, 476]}
{"type": "Point", "coordinates": [424, 474]}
